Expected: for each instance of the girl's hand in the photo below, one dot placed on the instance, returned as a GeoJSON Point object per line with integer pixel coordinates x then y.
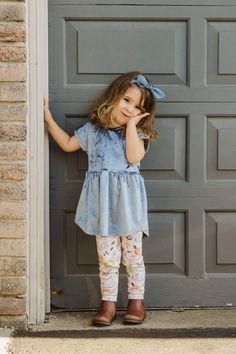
{"type": "Point", "coordinates": [47, 114]}
{"type": "Point", "coordinates": [134, 145]}
{"type": "Point", "coordinates": [135, 120]}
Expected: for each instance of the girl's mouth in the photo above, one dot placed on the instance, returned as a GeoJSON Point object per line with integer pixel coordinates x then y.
{"type": "Point", "coordinates": [125, 115]}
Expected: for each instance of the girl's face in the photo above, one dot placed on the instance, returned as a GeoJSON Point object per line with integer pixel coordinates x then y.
{"type": "Point", "coordinates": [129, 106]}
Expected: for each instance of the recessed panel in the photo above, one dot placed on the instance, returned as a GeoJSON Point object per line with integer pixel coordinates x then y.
{"type": "Point", "coordinates": [220, 242]}
{"type": "Point", "coordinates": [221, 53]}
{"type": "Point", "coordinates": [76, 162]}
{"type": "Point", "coordinates": [102, 50]}
{"type": "Point", "coordinates": [227, 52]}
{"type": "Point", "coordinates": [166, 244]}
{"type": "Point", "coordinates": [166, 158]}
{"type": "Point", "coordinates": [226, 242]}
{"type": "Point", "coordinates": [221, 148]}
{"type": "Point", "coordinates": [227, 149]}
{"type": "Point", "coordinates": [98, 50]}
{"type": "Point", "coordinates": [76, 242]}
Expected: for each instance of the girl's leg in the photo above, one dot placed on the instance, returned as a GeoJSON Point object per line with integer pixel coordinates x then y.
{"type": "Point", "coordinates": [109, 255]}
{"type": "Point", "coordinates": [132, 258]}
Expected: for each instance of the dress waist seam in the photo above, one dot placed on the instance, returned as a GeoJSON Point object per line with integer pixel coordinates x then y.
{"type": "Point", "coordinates": [114, 172]}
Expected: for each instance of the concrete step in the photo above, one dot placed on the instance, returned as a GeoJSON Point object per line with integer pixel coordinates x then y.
{"type": "Point", "coordinates": [173, 323]}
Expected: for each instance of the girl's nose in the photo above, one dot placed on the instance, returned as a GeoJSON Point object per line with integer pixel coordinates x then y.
{"type": "Point", "coordinates": [129, 108]}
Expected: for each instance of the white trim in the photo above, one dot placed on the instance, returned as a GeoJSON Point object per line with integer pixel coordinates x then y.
{"type": "Point", "coordinates": [38, 236]}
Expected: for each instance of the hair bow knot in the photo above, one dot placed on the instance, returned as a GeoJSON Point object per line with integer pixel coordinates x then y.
{"type": "Point", "coordinates": [142, 82]}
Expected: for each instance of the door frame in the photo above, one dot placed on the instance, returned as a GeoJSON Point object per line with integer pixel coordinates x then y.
{"type": "Point", "coordinates": [38, 269]}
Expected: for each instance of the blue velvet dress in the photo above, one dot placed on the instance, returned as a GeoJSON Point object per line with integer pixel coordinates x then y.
{"type": "Point", "coordinates": [113, 199]}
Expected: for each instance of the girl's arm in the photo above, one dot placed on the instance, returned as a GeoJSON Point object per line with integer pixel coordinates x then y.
{"type": "Point", "coordinates": [134, 146]}
{"type": "Point", "coordinates": [65, 141]}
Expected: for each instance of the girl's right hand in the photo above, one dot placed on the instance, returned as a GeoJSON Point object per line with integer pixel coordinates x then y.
{"type": "Point", "coordinates": [47, 114]}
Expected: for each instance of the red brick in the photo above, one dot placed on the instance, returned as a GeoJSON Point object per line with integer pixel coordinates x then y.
{"type": "Point", "coordinates": [12, 92]}
{"type": "Point", "coordinates": [12, 53]}
{"type": "Point", "coordinates": [13, 112]}
{"type": "Point", "coordinates": [13, 172]}
{"type": "Point", "coordinates": [12, 12]}
{"type": "Point", "coordinates": [12, 72]}
{"type": "Point", "coordinates": [12, 267]}
{"type": "Point", "coordinates": [12, 286]}
{"type": "Point", "coordinates": [13, 132]}
{"type": "Point", "coordinates": [13, 229]}
{"type": "Point", "coordinates": [17, 322]}
{"type": "Point", "coordinates": [13, 210]}
{"type": "Point", "coordinates": [12, 306]}
{"type": "Point", "coordinates": [12, 248]}
{"type": "Point", "coordinates": [13, 151]}
{"type": "Point", "coordinates": [12, 32]}
{"type": "Point", "coordinates": [12, 191]}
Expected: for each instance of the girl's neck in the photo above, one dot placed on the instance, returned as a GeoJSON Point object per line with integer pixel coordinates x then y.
{"type": "Point", "coordinates": [116, 126]}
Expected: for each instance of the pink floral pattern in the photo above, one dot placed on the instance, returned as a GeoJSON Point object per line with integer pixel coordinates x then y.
{"type": "Point", "coordinates": [127, 249]}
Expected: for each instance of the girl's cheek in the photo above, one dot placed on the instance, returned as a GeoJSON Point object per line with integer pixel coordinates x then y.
{"type": "Point", "coordinates": [137, 112]}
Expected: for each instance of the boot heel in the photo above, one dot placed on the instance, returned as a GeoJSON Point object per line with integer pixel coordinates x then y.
{"type": "Point", "coordinates": [106, 314]}
{"type": "Point", "coordinates": [136, 313]}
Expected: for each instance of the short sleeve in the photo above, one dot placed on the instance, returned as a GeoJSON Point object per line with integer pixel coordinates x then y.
{"type": "Point", "coordinates": [82, 135]}
{"type": "Point", "coordinates": [144, 137]}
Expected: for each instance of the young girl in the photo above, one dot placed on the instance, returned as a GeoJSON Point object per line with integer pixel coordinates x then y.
{"type": "Point", "coordinates": [113, 203]}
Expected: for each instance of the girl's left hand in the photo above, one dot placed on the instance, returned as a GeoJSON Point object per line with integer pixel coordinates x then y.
{"type": "Point", "coordinates": [135, 120]}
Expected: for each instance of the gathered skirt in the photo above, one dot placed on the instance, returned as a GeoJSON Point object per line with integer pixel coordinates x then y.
{"type": "Point", "coordinates": [112, 203]}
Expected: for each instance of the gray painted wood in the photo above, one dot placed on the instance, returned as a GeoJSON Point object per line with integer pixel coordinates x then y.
{"type": "Point", "coordinates": [146, 2]}
{"type": "Point", "coordinates": [190, 172]}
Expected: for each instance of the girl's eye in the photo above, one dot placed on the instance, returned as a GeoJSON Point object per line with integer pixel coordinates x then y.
{"type": "Point", "coordinates": [142, 110]}
{"type": "Point", "coordinates": [126, 99]}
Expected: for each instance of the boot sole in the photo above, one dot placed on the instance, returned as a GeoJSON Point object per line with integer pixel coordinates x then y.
{"type": "Point", "coordinates": [132, 322]}
{"type": "Point", "coordinates": [101, 324]}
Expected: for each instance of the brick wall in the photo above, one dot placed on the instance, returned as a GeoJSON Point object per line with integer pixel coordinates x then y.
{"type": "Point", "coordinates": [13, 163]}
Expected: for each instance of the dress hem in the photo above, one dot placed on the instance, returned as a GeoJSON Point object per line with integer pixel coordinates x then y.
{"type": "Point", "coordinates": [145, 233]}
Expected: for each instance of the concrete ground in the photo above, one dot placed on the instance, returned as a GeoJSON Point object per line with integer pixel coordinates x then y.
{"type": "Point", "coordinates": [164, 332]}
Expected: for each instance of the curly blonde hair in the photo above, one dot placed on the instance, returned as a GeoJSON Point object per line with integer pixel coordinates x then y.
{"type": "Point", "coordinates": [102, 111]}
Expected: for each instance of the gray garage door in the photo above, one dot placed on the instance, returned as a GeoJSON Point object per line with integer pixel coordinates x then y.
{"type": "Point", "coordinates": [188, 50]}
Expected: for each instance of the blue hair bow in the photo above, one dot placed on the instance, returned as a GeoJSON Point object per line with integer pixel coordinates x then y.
{"type": "Point", "coordinates": [142, 82]}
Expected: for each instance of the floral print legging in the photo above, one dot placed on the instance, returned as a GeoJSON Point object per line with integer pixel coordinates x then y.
{"type": "Point", "coordinates": [128, 249]}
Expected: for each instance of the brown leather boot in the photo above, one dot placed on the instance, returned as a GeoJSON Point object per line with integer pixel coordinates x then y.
{"type": "Point", "coordinates": [106, 314]}
{"type": "Point", "coordinates": [136, 313]}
